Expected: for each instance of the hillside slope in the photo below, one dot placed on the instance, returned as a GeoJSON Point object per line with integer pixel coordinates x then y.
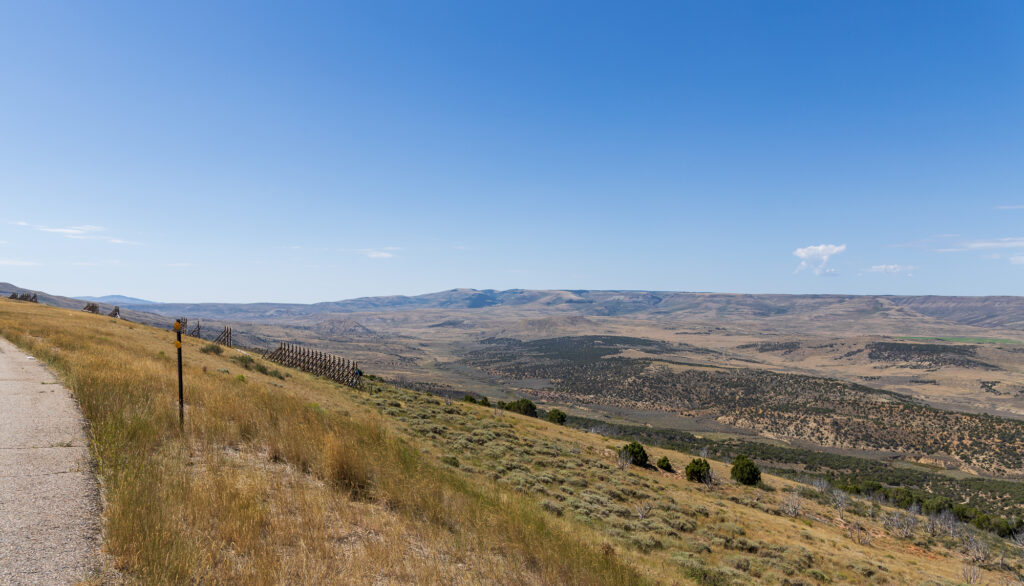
{"type": "Point", "coordinates": [285, 477]}
{"type": "Point", "coordinates": [989, 312]}
{"type": "Point", "coordinates": [73, 303]}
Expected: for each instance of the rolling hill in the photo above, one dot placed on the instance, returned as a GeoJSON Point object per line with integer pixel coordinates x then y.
{"type": "Point", "coordinates": [988, 312]}
{"type": "Point", "coordinates": [286, 477]}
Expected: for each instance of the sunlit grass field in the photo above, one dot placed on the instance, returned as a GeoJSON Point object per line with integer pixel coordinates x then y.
{"type": "Point", "coordinates": [299, 480]}
{"type": "Point", "coordinates": [272, 482]}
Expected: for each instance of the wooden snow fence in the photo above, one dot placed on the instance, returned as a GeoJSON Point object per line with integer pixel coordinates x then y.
{"type": "Point", "coordinates": [329, 366]}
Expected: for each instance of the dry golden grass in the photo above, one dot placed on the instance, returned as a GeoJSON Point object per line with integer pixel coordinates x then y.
{"type": "Point", "coordinates": [738, 534]}
{"type": "Point", "coordinates": [304, 481]}
{"type": "Point", "coordinates": [274, 482]}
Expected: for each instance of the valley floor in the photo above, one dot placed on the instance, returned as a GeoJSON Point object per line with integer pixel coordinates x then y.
{"type": "Point", "coordinates": [282, 477]}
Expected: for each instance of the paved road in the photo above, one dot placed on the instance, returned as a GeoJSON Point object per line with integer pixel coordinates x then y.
{"type": "Point", "coordinates": [49, 499]}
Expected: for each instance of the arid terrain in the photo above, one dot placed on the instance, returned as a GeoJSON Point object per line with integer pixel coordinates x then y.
{"type": "Point", "coordinates": [921, 392]}
{"type": "Point", "coordinates": [279, 476]}
{"type": "Point", "coordinates": [673, 356]}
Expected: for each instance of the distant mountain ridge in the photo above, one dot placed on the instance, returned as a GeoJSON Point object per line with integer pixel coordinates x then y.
{"type": "Point", "coordinates": [138, 313]}
{"type": "Point", "coordinates": [1002, 311]}
{"type": "Point", "coordinates": [117, 300]}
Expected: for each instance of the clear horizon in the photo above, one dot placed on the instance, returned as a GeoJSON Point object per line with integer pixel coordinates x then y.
{"type": "Point", "coordinates": [275, 302]}
{"type": "Point", "coordinates": [245, 153]}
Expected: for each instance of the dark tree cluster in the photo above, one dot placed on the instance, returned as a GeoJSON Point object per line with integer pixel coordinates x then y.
{"type": "Point", "coordinates": [698, 470]}
{"type": "Point", "coordinates": [30, 297]}
{"type": "Point", "coordinates": [995, 505]}
{"type": "Point", "coordinates": [926, 355]}
{"type": "Point", "coordinates": [826, 411]}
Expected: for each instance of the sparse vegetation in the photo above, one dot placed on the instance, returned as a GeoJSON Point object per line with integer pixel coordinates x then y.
{"type": "Point", "coordinates": [557, 416]}
{"type": "Point", "coordinates": [249, 363]}
{"type": "Point", "coordinates": [212, 349]}
{"type": "Point", "coordinates": [926, 355]}
{"type": "Point", "coordinates": [698, 470]}
{"type": "Point", "coordinates": [387, 481]}
{"type": "Point", "coordinates": [260, 488]}
{"type": "Point", "coordinates": [665, 464]}
{"type": "Point", "coordinates": [1000, 503]}
{"type": "Point", "coordinates": [636, 453]}
{"type": "Point", "coordinates": [524, 406]}
{"type": "Point", "coordinates": [825, 411]}
{"type": "Point", "coordinates": [963, 340]}
{"type": "Point", "coordinates": [745, 471]}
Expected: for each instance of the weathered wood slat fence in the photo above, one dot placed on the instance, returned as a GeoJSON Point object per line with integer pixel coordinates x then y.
{"type": "Point", "coordinates": [224, 339]}
{"type": "Point", "coordinates": [315, 362]}
{"type": "Point", "coordinates": [329, 366]}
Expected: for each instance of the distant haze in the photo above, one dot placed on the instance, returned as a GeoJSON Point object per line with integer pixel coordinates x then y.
{"type": "Point", "coordinates": [116, 300]}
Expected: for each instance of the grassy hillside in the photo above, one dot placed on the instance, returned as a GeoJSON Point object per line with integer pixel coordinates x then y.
{"type": "Point", "coordinates": [980, 311]}
{"type": "Point", "coordinates": [304, 481]}
{"type": "Point", "coordinates": [829, 412]}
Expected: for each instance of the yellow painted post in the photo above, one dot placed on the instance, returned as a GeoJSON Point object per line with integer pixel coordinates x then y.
{"type": "Point", "coordinates": [181, 385]}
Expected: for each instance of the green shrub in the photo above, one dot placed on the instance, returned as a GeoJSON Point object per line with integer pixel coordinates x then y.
{"type": "Point", "coordinates": [524, 406]}
{"type": "Point", "coordinates": [248, 363]}
{"type": "Point", "coordinates": [646, 542]}
{"type": "Point", "coordinates": [244, 361]}
{"type": "Point", "coordinates": [212, 349]}
{"type": "Point", "coordinates": [665, 464]}
{"type": "Point", "coordinates": [485, 401]}
{"type": "Point", "coordinates": [451, 461]}
{"type": "Point", "coordinates": [557, 416]}
{"type": "Point", "coordinates": [636, 452]}
{"type": "Point", "coordinates": [745, 471]}
{"type": "Point", "coordinates": [700, 572]}
{"type": "Point", "coordinates": [552, 507]}
{"type": "Point", "coordinates": [698, 470]}
{"type": "Point", "coordinates": [470, 399]}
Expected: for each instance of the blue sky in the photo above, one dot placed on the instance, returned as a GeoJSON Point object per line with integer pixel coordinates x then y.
{"type": "Point", "coordinates": [257, 151]}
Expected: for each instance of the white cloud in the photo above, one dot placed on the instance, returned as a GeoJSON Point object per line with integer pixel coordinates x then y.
{"type": "Point", "coordinates": [1017, 259]}
{"type": "Point", "coordinates": [1015, 242]}
{"type": "Point", "coordinates": [100, 263]}
{"type": "Point", "coordinates": [10, 262]}
{"type": "Point", "coordinates": [73, 231]}
{"type": "Point", "coordinates": [383, 252]}
{"type": "Point", "coordinates": [816, 257]}
{"type": "Point", "coordinates": [83, 232]}
{"type": "Point", "coordinates": [891, 269]}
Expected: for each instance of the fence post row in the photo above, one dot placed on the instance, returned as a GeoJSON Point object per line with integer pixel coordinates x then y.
{"type": "Point", "coordinates": [224, 338]}
{"type": "Point", "coordinates": [315, 362]}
